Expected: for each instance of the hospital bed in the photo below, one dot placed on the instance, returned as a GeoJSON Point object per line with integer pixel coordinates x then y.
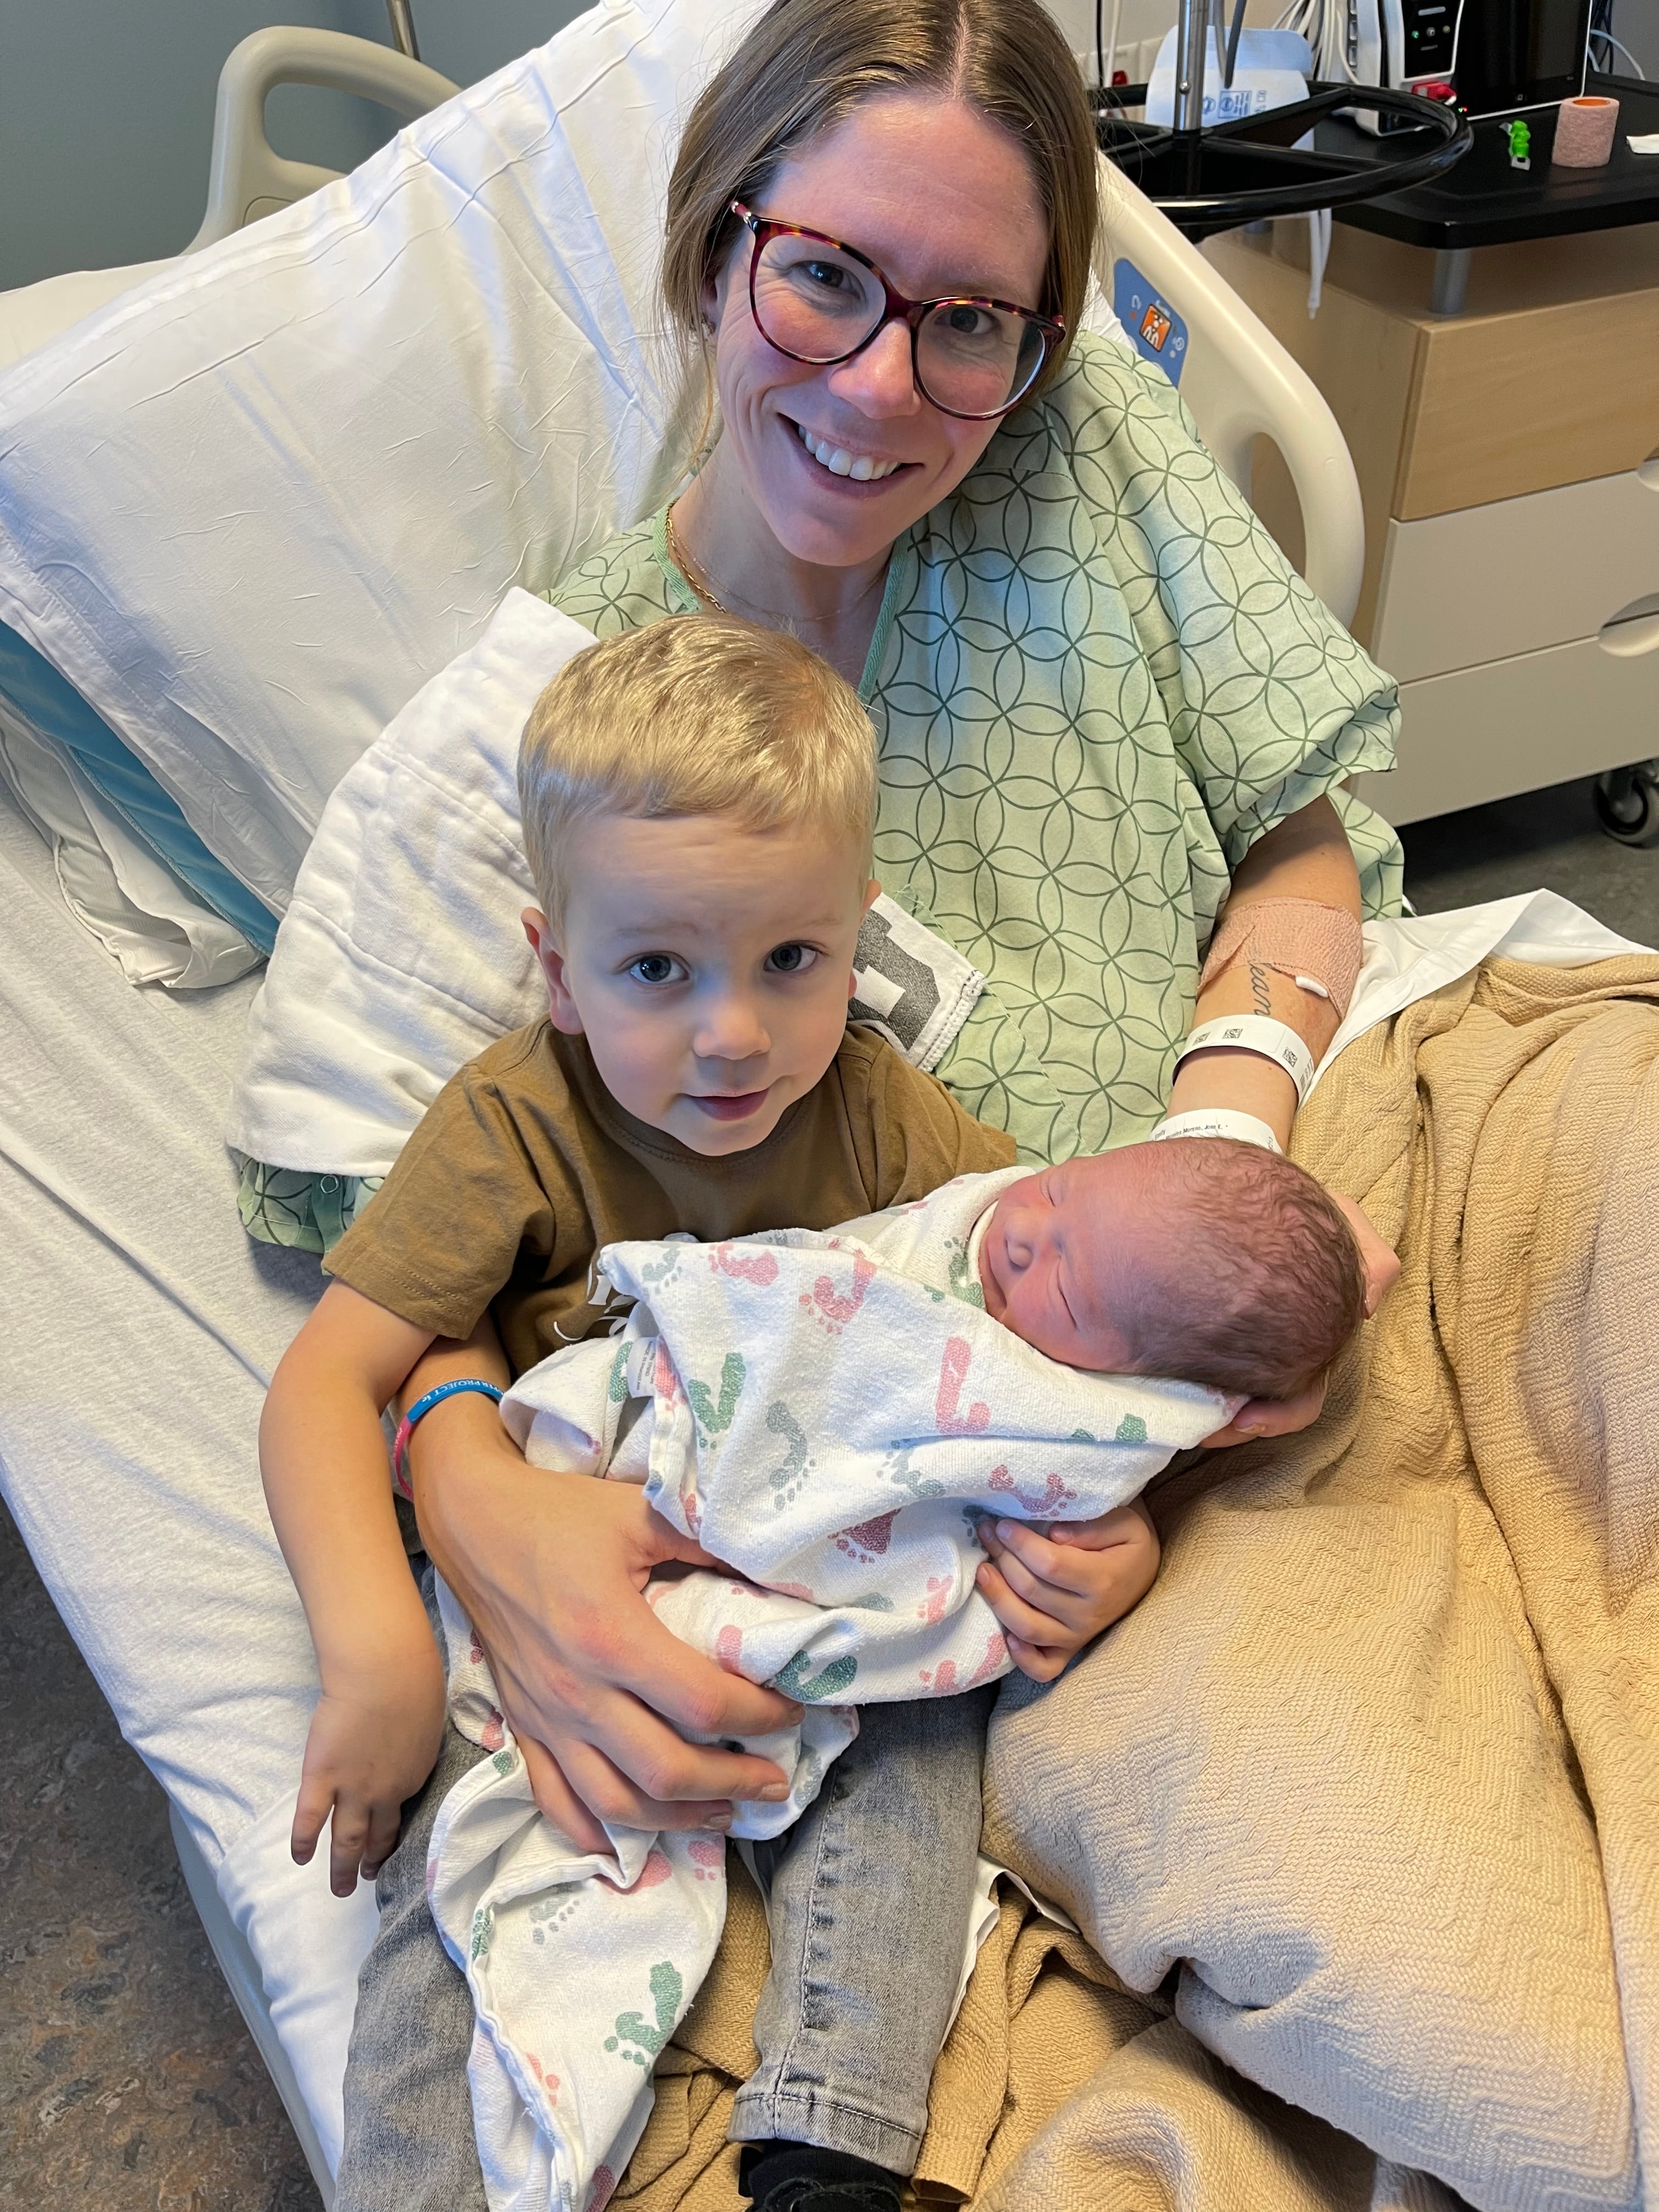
{"type": "Point", "coordinates": [245, 508]}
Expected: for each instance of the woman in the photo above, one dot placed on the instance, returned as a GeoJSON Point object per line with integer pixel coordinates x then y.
{"type": "Point", "coordinates": [1106, 710]}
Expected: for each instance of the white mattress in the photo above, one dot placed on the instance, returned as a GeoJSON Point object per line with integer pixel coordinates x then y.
{"type": "Point", "coordinates": [139, 1328]}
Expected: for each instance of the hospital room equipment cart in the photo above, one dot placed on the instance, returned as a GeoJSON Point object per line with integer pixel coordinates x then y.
{"type": "Point", "coordinates": [1489, 343]}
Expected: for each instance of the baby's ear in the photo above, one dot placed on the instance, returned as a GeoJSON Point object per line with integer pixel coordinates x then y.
{"type": "Point", "coordinates": [560, 1005]}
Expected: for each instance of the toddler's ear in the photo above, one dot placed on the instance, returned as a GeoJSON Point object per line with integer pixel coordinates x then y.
{"type": "Point", "coordinates": [560, 1004]}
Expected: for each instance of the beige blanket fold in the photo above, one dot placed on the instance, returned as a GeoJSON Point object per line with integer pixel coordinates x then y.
{"type": "Point", "coordinates": [1369, 1784]}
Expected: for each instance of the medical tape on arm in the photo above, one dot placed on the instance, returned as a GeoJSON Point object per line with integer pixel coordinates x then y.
{"type": "Point", "coordinates": [1319, 947]}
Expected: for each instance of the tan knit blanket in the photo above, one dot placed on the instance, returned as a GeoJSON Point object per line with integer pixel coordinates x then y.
{"type": "Point", "coordinates": [1360, 1807]}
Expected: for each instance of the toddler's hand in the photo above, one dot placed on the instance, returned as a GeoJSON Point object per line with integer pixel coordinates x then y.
{"type": "Point", "coordinates": [1054, 1593]}
{"type": "Point", "coordinates": [374, 1741]}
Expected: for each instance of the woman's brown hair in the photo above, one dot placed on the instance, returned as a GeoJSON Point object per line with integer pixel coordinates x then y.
{"type": "Point", "coordinates": [807, 64]}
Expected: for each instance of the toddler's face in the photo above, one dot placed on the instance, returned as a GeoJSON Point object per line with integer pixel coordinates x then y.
{"type": "Point", "coordinates": [1052, 1262]}
{"type": "Point", "coordinates": [709, 966]}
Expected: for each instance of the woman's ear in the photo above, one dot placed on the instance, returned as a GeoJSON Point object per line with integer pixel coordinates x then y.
{"type": "Point", "coordinates": [560, 1005]}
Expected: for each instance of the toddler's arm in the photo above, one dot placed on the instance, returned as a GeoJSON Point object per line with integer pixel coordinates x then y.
{"type": "Point", "coordinates": [375, 1733]}
{"type": "Point", "coordinates": [1054, 1593]}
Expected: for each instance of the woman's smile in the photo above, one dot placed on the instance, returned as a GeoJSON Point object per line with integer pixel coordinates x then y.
{"type": "Point", "coordinates": [846, 461]}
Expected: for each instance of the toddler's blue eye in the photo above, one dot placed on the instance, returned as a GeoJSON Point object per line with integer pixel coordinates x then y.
{"type": "Point", "coordinates": [790, 959]}
{"type": "Point", "coordinates": [654, 968]}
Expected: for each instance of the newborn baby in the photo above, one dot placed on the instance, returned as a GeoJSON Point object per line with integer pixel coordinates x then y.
{"type": "Point", "coordinates": [847, 1419]}
{"type": "Point", "coordinates": [1201, 1259]}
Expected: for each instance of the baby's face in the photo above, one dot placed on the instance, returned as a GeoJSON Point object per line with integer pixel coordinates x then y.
{"type": "Point", "coordinates": [1054, 1261]}
{"type": "Point", "coordinates": [709, 967]}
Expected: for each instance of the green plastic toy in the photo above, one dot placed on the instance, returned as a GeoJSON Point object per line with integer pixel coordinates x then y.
{"type": "Point", "coordinates": [1520, 145]}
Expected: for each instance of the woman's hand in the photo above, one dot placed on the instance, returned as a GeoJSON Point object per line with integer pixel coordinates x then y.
{"type": "Point", "coordinates": [1054, 1593]}
{"type": "Point", "coordinates": [1380, 1260]}
{"type": "Point", "coordinates": [599, 1694]}
{"type": "Point", "coordinates": [1281, 1417]}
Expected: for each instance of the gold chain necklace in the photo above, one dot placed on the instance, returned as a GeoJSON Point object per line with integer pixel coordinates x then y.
{"type": "Point", "coordinates": [698, 580]}
{"type": "Point", "coordinates": [694, 577]}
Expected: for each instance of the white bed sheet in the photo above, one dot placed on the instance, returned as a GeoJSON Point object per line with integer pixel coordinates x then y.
{"type": "Point", "coordinates": [139, 1328]}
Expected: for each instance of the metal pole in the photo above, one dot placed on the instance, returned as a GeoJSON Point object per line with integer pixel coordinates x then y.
{"type": "Point", "coordinates": [1192, 37]}
{"type": "Point", "coordinates": [402, 28]}
{"type": "Point", "coordinates": [1449, 292]}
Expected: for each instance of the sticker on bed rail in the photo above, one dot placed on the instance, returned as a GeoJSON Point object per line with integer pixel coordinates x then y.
{"type": "Point", "coordinates": [1155, 329]}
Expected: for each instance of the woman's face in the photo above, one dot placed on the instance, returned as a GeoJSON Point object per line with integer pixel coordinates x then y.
{"type": "Point", "coordinates": [943, 201]}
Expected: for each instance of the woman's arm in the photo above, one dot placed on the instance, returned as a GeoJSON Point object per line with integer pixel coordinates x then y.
{"type": "Point", "coordinates": [550, 1568]}
{"type": "Point", "coordinates": [1307, 856]}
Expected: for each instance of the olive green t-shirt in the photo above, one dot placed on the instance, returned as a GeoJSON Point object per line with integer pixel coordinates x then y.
{"type": "Point", "coordinates": [524, 1166]}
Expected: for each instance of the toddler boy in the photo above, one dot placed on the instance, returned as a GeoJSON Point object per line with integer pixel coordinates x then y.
{"type": "Point", "coordinates": [698, 800]}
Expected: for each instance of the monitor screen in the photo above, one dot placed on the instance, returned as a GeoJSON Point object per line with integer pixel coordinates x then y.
{"type": "Point", "coordinates": [1520, 53]}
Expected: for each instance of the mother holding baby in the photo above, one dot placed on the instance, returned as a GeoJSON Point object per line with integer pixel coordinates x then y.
{"type": "Point", "coordinates": [1115, 730]}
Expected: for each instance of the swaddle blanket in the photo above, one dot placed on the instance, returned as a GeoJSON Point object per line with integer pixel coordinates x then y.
{"type": "Point", "coordinates": [829, 1413]}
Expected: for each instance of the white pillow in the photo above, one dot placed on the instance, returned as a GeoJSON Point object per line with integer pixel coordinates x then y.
{"type": "Point", "coordinates": [401, 954]}
{"type": "Point", "coordinates": [250, 507]}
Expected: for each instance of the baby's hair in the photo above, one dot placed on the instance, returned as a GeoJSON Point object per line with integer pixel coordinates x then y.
{"type": "Point", "coordinates": [694, 715]}
{"type": "Point", "coordinates": [1265, 1285]}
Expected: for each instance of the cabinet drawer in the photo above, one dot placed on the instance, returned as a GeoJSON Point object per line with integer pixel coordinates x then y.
{"type": "Point", "coordinates": [1485, 583]}
{"type": "Point", "coordinates": [1517, 725]}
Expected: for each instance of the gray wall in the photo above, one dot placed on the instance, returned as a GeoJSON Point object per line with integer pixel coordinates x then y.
{"type": "Point", "coordinates": [106, 111]}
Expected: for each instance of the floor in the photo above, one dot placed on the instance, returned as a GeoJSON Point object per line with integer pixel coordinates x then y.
{"type": "Point", "coordinates": [127, 2080]}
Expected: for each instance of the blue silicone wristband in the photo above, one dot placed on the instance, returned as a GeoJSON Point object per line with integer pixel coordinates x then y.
{"type": "Point", "coordinates": [418, 1411]}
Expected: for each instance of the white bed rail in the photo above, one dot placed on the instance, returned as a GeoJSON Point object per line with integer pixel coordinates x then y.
{"type": "Point", "coordinates": [1241, 384]}
{"type": "Point", "coordinates": [248, 178]}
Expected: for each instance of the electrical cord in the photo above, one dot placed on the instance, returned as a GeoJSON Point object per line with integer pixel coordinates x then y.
{"type": "Point", "coordinates": [1619, 47]}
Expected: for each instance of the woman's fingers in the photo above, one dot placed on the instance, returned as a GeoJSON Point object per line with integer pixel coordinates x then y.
{"type": "Point", "coordinates": [1380, 1260]}
{"type": "Point", "coordinates": [614, 1798]}
{"type": "Point", "coordinates": [556, 1801]}
{"type": "Point", "coordinates": [1270, 1417]}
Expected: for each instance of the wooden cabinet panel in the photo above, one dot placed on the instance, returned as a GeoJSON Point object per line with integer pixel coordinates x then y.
{"type": "Point", "coordinates": [1510, 404]}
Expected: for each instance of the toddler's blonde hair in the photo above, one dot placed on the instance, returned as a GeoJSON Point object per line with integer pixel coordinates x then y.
{"type": "Point", "coordinates": [694, 715]}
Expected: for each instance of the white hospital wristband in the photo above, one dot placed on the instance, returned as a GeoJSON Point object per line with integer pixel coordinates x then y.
{"type": "Point", "coordinates": [1274, 1040]}
{"type": "Point", "coordinates": [1216, 1122]}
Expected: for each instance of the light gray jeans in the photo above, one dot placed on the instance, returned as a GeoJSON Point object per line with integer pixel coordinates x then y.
{"type": "Point", "coordinates": [867, 1899]}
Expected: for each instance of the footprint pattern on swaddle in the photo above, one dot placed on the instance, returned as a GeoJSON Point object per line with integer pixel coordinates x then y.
{"type": "Point", "coordinates": [639, 2040]}
{"type": "Point", "coordinates": [798, 1462]}
{"type": "Point", "coordinates": [714, 1415]}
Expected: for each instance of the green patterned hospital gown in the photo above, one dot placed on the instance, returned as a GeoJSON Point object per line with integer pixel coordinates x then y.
{"type": "Point", "coordinates": [1096, 683]}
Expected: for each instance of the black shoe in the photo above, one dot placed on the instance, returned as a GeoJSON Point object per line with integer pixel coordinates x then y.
{"type": "Point", "coordinates": [790, 2177]}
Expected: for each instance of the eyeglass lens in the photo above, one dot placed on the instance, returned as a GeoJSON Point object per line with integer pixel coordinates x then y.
{"type": "Point", "coordinates": [820, 305]}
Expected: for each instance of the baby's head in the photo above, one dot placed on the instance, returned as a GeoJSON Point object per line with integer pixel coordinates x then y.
{"type": "Point", "coordinates": [1200, 1259]}
{"type": "Point", "coordinates": [698, 800]}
